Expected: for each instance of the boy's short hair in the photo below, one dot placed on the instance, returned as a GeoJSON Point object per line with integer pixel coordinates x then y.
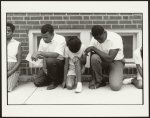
{"type": "Point", "coordinates": [47, 28]}
{"type": "Point", "coordinates": [12, 27]}
{"type": "Point", "coordinates": [97, 30]}
{"type": "Point", "coordinates": [74, 44]}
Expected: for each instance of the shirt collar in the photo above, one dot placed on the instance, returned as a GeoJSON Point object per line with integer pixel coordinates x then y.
{"type": "Point", "coordinates": [53, 38]}
{"type": "Point", "coordinates": [107, 38]}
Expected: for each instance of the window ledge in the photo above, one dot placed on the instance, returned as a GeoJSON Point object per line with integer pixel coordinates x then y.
{"type": "Point", "coordinates": [133, 65]}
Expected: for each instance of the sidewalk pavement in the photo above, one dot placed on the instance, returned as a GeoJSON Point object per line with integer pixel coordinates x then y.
{"type": "Point", "coordinates": [28, 93]}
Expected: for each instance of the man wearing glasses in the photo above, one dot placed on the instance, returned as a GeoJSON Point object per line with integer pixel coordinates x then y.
{"type": "Point", "coordinates": [106, 55]}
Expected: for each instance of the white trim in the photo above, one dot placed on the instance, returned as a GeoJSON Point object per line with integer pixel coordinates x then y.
{"type": "Point", "coordinates": [130, 65]}
{"type": "Point", "coordinates": [84, 35]}
{"type": "Point", "coordinates": [31, 41]}
{"type": "Point", "coordinates": [137, 39]}
{"type": "Point", "coordinates": [134, 44]}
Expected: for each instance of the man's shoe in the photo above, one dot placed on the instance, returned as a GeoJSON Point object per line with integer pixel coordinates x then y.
{"type": "Point", "coordinates": [92, 84]}
{"type": "Point", "coordinates": [51, 86]}
{"type": "Point", "coordinates": [97, 85]}
{"type": "Point", "coordinates": [128, 81]}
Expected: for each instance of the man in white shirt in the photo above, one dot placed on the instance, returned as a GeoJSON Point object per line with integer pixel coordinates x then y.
{"type": "Point", "coordinates": [138, 57]}
{"type": "Point", "coordinates": [137, 81]}
{"type": "Point", "coordinates": [108, 53]}
{"type": "Point", "coordinates": [51, 48]}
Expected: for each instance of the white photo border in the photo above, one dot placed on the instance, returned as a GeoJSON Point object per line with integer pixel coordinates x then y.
{"type": "Point", "coordinates": [84, 7]}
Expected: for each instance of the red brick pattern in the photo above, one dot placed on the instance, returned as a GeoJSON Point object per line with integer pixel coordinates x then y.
{"type": "Point", "coordinates": [26, 21]}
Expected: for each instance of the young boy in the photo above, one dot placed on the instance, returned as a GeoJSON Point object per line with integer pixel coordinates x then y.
{"type": "Point", "coordinates": [74, 64]}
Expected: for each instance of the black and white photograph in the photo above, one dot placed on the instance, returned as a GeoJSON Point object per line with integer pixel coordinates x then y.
{"type": "Point", "coordinates": [77, 58]}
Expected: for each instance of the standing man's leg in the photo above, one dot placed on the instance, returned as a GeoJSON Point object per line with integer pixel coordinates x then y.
{"type": "Point", "coordinates": [116, 75]}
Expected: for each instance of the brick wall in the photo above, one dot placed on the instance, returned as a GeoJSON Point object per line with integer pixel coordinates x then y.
{"type": "Point", "coordinates": [26, 21]}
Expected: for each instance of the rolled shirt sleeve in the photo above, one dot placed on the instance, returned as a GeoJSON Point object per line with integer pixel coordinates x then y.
{"type": "Point", "coordinates": [92, 42]}
{"type": "Point", "coordinates": [66, 52]}
{"type": "Point", "coordinates": [41, 46]}
{"type": "Point", "coordinates": [117, 43]}
{"type": "Point", "coordinates": [60, 48]}
{"type": "Point", "coordinates": [137, 57]}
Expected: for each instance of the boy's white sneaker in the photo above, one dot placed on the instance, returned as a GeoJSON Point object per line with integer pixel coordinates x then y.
{"type": "Point", "coordinates": [127, 80]}
{"type": "Point", "coordinates": [79, 87]}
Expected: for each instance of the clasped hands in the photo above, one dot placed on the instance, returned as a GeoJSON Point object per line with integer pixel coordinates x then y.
{"type": "Point", "coordinates": [36, 55]}
{"type": "Point", "coordinates": [89, 49]}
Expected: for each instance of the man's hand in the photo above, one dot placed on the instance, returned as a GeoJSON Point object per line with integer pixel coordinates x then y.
{"type": "Point", "coordinates": [35, 56]}
{"type": "Point", "coordinates": [45, 70]}
{"type": "Point", "coordinates": [75, 59]}
{"type": "Point", "coordinates": [89, 49]}
{"type": "Point", "coordinates": [83, 69]}
{"type": "Point", "coordinates": [9, 73]}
